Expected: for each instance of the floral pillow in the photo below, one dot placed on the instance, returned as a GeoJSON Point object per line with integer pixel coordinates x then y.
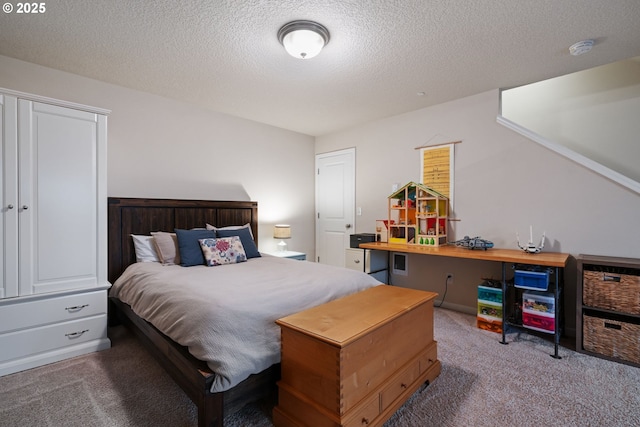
{"type": "Point", "coordinates": [223, 250]}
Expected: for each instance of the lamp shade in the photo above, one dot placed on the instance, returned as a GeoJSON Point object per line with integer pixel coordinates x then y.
{"type": "Point", "coordinates": [303, 39]}
{"type": "Point", "coordinates": [282, 231]}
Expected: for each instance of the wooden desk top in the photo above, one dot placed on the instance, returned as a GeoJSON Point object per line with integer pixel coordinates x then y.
{"type": "Point", "coordinates": [548, 259]}
{"type": "Point", "coordinates": [343, 320]}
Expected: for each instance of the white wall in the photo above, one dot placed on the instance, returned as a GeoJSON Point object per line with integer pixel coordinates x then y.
{"type": "Point", "coordinates": [592, 112]}
{"type": "Point", "coordinates": [503, 183]}
{"type": "Point", "coordinates": [163, 148]}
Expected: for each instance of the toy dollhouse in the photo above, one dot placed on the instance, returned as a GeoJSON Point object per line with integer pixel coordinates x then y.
{"type": "Point", "coordinates": [418, 216]}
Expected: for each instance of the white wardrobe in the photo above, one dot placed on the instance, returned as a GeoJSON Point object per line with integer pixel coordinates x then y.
{"type": "Point", "coordinates": [53, 258]}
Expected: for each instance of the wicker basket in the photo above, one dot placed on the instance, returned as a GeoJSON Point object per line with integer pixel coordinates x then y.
{"type": "Point", "coordinates": [611, 291]}
{"type": "Point", "coordinates": [613, 338]}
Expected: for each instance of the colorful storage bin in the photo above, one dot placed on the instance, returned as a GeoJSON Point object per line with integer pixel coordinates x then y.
{"type": "Point", "coordinates": [488, 294]}
{"type": "Point", "coordinates": [534, 280]}
{"type": "Point", "coordinates": [539, 322]}
{"type": "Point", "coordinates": [538, 303]}
{"type": "Point", "coordinates": [539, 311]}
{"type": "Point", "coordinates": [490, 309]}
{"type": "Point", "coordinates": [489, 323]}
{"type": "Point", "coordinates": [489, 315]}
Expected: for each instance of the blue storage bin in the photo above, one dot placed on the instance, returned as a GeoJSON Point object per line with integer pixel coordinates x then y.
{"type": "Point", "coordinates": [534, 280]}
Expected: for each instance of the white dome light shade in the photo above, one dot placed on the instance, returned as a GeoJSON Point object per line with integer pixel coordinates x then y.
{"type": "Point", "coordinates": [303, 44]}
{"type": "Point", "coordinates": [303, 39]}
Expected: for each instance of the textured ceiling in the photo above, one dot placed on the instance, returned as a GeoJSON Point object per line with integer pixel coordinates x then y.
{"type": "Point", "coordinates": [224, 54]}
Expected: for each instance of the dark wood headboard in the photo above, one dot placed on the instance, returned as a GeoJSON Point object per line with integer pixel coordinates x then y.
{"type": "Point", "coordinates": [142, 216]}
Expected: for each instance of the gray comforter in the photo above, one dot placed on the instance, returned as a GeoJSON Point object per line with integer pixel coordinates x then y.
{"type": "Point", "coordinates": [225, 315]}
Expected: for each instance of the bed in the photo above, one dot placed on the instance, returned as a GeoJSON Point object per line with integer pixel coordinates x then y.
{"type": "Point", "coordinates": [196, 377]}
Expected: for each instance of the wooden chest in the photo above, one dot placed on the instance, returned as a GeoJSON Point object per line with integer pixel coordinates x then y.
{"type": "Point", "coordinates": [354, 361]}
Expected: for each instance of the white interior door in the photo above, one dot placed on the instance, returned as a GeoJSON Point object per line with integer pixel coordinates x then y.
{"type": "Point", "coordinates": [335, 205]}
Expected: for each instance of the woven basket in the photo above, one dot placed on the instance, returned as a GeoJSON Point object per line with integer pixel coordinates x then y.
{"type": "Point", "coordinates": [611, 338]}
{"type": "Point", "coordinates": [611, 291]}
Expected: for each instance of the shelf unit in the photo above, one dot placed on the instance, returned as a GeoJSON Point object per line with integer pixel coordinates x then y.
{"type": "Point", "coordinates": [418, 216]}
{"type": "Point", "coordinates": [514, 310]}
{"type": "Point", "coordinates": [555, 261]}
{"type": "Point", "coordinates": [608, 308]}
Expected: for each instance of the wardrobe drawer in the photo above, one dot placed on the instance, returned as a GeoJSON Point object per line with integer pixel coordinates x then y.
{"type": "Point", "coordinates": [29, 342]}
{"type": "Point", "coordinates": [27, 314]}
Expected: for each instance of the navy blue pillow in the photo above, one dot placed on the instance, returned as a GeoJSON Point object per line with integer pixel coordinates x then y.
{"type": "Point", "coordinates": [189, 246]}
{"type": "Point", "coordinates": [245, 237]}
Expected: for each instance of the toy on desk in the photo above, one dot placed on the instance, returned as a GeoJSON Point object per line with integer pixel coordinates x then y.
{"type": "Point", "coordinates": [474, 243]}
{"type": "Point", "coordinates": [531, 248]}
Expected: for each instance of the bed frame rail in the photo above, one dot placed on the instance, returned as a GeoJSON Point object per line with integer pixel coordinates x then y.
{"type": "Point", "coordinates": [141, 216]}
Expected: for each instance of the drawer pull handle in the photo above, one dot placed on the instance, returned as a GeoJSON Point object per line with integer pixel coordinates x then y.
{"type": "Point", "coordinates": [365, 421]}
{"type": "Point", "coordinates": [403, 386]}
{"type": "Point", "coordinates": [76, 334]}
{"type": "Point", "coordinates": [76, 307]}
{"type": "Point", "coordinates": [612, 326]}
{"type": "Point", "coordinates": [357, 261]}
{"type": "Point", "coordinates": [609, 278]}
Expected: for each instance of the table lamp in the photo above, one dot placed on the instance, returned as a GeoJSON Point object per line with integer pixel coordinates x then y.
{"type": "Point", "coordinates": [282, 231]}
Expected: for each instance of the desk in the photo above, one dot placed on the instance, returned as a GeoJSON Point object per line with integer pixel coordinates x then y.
{"type": "Point", "coordinates": [547, 259]}
{"type": "Point", "coordinates": [555, 260]}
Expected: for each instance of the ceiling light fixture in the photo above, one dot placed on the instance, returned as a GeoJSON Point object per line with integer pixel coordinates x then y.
{"type": "Point", "coordinates": [581, 47]}
{"type": "Point", "coordinates": [303, 39]}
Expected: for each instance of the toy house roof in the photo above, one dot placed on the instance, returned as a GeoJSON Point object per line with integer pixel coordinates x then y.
{"type": "Point", "coordinates": [399, 194]}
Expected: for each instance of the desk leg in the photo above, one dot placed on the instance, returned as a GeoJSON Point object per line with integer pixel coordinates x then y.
{"type": "Point", "coordinates": [504, 302]}
{"type": "Point", "coordinates": [556, 332]}
{"type": "Point", "coordinates": [389, 261]}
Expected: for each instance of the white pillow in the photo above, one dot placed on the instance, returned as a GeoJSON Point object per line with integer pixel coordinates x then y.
{"type": "Point", "coordinates": [145, 252]}
{"type": "Point", "coordinates": [231, 227]}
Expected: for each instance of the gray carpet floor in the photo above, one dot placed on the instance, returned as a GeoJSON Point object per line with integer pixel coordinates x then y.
{"type": "Point", "coordinates": [482, 383]}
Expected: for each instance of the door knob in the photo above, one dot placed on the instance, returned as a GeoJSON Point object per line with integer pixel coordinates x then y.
{"type": "Point", "coordinates": [347, 226]}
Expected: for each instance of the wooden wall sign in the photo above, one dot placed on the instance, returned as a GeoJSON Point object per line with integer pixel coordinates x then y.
{"type": "Point", "coordinates": [437, 167]}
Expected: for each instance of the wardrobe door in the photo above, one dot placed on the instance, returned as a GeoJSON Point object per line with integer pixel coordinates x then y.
{"type": "Point", "coordinates": [58, 209]}
{"type": "Point", "coordinates": [8, 197]}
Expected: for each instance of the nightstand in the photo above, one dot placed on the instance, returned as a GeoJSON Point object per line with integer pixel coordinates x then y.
{"type": "Point", "coordinates": [300, 256]}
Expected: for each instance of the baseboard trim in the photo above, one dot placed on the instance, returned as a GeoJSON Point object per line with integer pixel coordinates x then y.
{"type": "Point", "coordinates": [57, 355]}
